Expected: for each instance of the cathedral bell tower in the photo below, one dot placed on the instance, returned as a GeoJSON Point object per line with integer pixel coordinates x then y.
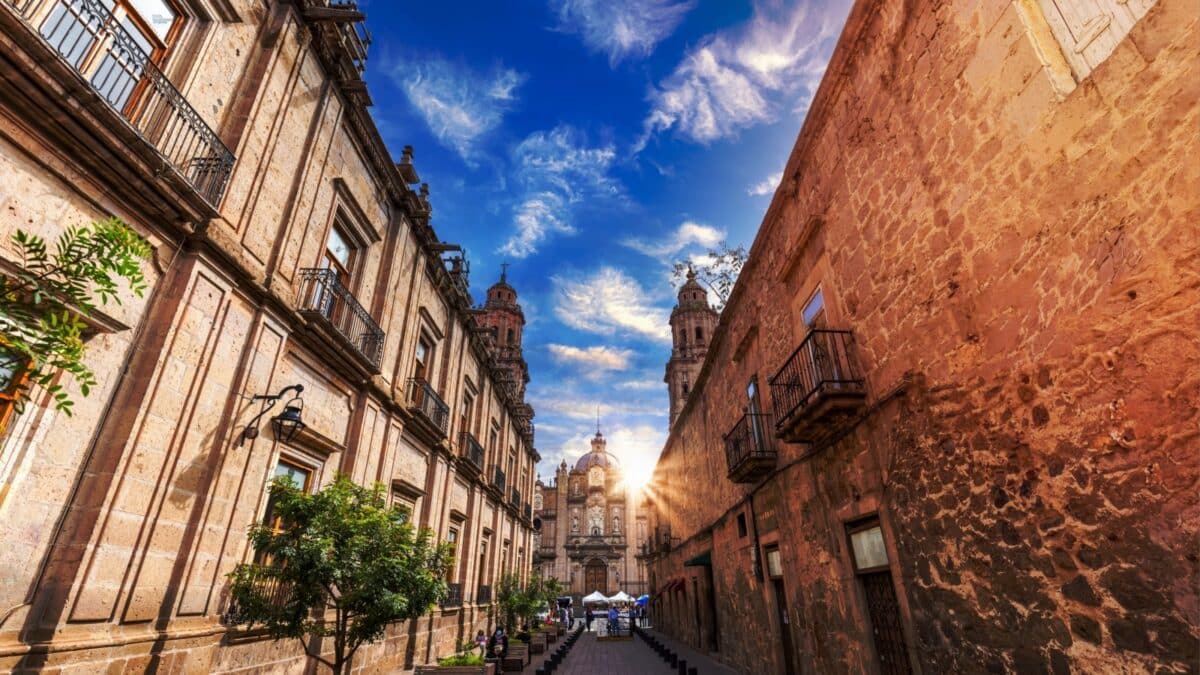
{"type": "Point", "coordinates": [692, 324]}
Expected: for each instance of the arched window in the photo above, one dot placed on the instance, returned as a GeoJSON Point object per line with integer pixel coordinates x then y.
{"type": "Point", "coordinates": [699, 334]}
{"type": "Point", "coordinates": [510, 336]}
{"type": "Point", "coordinates": [685, 389]}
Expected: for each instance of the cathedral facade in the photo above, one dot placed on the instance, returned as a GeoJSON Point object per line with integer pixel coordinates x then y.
{"type": "Point", "coordinates": [592, 526]}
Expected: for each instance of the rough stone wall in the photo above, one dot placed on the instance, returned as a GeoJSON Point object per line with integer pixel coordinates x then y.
{"type": "Point", "coordinates": [1028, 255]}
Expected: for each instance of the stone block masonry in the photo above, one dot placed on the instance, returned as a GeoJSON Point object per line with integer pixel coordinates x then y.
{"type": "Point", "coordinates": [1014, 254]}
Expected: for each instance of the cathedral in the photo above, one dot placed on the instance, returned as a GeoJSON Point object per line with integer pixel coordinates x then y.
{"type": "Point", "coordinates": [592, 526]}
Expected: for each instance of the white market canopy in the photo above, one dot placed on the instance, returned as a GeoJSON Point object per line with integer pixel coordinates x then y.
{"type": "Point", "coordinates": [596, 596]}
{"type": "Point", "coordinates": [621, 596]}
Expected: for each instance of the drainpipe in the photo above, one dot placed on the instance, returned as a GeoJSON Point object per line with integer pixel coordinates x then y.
{"type": "Point", "coordinates": [756, 550]}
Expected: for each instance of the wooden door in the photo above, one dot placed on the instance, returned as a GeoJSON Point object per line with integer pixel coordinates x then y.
{"type": "Point", "coordinates": [595, 577]}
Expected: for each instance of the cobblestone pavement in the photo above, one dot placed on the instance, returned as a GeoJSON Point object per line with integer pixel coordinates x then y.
{"type": "Point", "coordinates": [631, 657]}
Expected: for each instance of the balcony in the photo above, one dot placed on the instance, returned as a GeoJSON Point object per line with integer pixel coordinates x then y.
{"type": "Point", "coordinates": [453, 596]}
{"type": "Point", "coordinates": [498, 479]}
{"type": "Point", "coordinates": [528, 512]}
{"type": "Point", "coordinates": [483, 595]}
{"type": "Point", "coordinates": [323, 297]}
{"type": "Point", "coordinates": [514, 498]}
{"type": "Point", "coordinates": [271, 591]}
{"type": "Point", "coordinates": [113, 62]}
{"type": "Point", "coordinates": [547, 552]}
{"type": "Point", "coordinates": [748, 454]}
{"type": "Point", "coordinates": [471, 450]}
{"type": "Point", "coordinates": [818, 386]}
{"type": "Point", "coordinates": [424, 401]}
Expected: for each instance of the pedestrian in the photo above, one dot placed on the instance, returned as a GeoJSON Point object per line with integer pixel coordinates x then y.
{"type": "Point", "coordinates": [498, 645]}
{"type": "Point", "coordinates": [589, 619]}
{"type": "Point", "coordinates": [481, 642]}
{"type": "Point", "coordinates": [614, 627]}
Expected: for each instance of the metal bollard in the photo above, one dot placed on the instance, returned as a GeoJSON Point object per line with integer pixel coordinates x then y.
{"type": "Point", "coordinates": [682, 667]}
{"type": "Point", "coordinates": [692, 671]}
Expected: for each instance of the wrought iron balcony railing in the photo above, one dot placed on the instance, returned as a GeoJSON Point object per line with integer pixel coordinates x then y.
{"type": "Point", "coordinates": [483, 595]}
{"type": "Point", "coordinates": [118, 68]}
{"type": "Point", "coordinates": [271, 590]}
{"type": "Point", "coordinates": [548, 512]}
{"type": "Point", "coordinates": [818, 382]}
{"type": "Point", "coordinates": [514, 497]}
{"type": "Point", "coordinates": [425, 401]}
{"type": "Point", "coordinates": [471, 449]}
{"type": "Point", "coordinates": [454, 596]}
{"type": "Point", "coordinates": [498, 478]}
{"type": "Point", "coordinates": [547, 552]}
{"type": "Point", "coordinates": [323, 295]}
{"type": "Point", "coordinates": [748, 453]}
{"type": "Point", "coordinates": [528, 511]}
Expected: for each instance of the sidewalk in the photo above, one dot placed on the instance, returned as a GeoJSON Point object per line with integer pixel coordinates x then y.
{"type": "Point", "coordinates": [705, 665]}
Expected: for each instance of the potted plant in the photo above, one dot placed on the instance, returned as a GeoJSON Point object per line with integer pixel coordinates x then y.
{"type": "Point", "coordinates": [462, 663]}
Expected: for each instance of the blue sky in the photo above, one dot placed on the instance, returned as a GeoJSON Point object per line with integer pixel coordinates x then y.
{"type": "Point", "coordinates": [592, 143]}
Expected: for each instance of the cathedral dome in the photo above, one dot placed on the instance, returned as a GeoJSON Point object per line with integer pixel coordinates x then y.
{"type": "Point", "coordinates": [597, 457]}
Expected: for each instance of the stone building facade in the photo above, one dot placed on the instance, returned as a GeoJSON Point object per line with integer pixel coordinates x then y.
{"type": "Point", "coordinates": [289, 248]}
{"type": "Point", "coordinates": [592, 526]}
{"type": "Point", "coordinates": [692, 323]}
{"type": "Point", "coordinates": [947, 420]}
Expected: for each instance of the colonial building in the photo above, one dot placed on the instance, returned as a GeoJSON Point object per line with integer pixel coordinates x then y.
{"type": "Point", "coordinates": [692, 324]}
{"type": "Point", "coordinates": [947, 420]}
{"type": "Point", "coordinates": [592, 526]}
{"type": "Point", "coordinates": [289, 249]}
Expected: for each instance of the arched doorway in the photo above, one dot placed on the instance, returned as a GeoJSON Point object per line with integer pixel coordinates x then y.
{"type": "Point", "coordinates": [595, 577]}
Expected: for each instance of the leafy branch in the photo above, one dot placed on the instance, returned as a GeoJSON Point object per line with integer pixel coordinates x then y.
{"type": "Point", "coordinates": [43, 302]}
{"type": "Point", "coordinates": [718, 269]}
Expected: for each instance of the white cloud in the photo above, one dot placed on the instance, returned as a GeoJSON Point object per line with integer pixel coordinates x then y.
{"type": "Point", "coordinates": [687, 234]}
{"type": "Point", "coordinates": [607, 302]}
{"type": "Point", "coordinates": [766, 186]}
{"type": "Point", "coordinates": [556, 170]}
{"type": "Point", "coordinates": [635, 446]}
{"type": "Point", "coordinates": [742, 76]}
{"type": "Point", "coordinates": [459, 105]}
{"type": "Point", "coordinates": [621, 28]}
{"type": "Point", "coordinates": [598, 358]}
{"type": "Point", "coordinates": [642, 385]}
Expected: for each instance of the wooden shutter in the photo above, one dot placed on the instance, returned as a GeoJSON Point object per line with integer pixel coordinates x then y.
{"type": "Point", "coordinates": [1089, 30]}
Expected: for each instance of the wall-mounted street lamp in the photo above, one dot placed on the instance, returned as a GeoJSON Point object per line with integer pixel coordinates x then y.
{"type": "Point", "coordinates": [287, 423]}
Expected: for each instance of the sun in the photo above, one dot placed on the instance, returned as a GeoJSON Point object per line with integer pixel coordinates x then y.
{"type": "Point", "coordinates": [637, 471]}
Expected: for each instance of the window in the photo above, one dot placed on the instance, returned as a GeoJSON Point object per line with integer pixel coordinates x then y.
{"type": "Point", "coordinates": [424, 359]}
{"type": "Point", "coordinates": [699, 334]}
{"type": "Point", "coordinates": [685, 389]}
{"type": "Point", "coordinates": [814, 311]}
{"type": "Point", "coordinates": [1088, 31]}
{"type": "Point", "coordinates": [114, 71]}
{"type": "Point", "coordinates": [452, 539]}
{"type": "Point", "coordinates": [509, 335]}
{"type": "Point", "coordinates": [339, 256]}
{"type": "Point", "coordinates": [468, 405]}
{"type": "Point", "coordinates": [754, 408]}
{"type": "Point", "coordinates": [774, 563]}
{"type": "Point", "coordinates": [301, 476]}
{"type": "Point", "coordinates": [866, 542]}
{"type": "Point", "coordinates": [741, 524]}
{"type": "Point", "coordinates": [12, 377]}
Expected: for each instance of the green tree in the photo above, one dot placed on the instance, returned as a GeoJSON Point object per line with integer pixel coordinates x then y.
{"type": "Point", "coordinates": [42, 303]}
{"type": "Point", "coordinates": [342, 564]}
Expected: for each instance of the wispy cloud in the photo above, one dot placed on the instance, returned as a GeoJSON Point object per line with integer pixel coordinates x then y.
{"type": "Point", "coordinates": [636, 446]}
{"type": "Point", "coordinates": [642, 385]}
{"type": "Point", "coordinates": [620, 28]}
{"type": "Point", "coordinates": [609, 301]}
{"type": "Point", "coordinates": [743, 76]}
{"type": "Point", "coordinates": [598, 359]}
{"type": "Point", "coordinates": [556, 170]}
{"type": "Point", "coordinates": [687, 234]}
{"type": "Point", "coordinates": [766, 186]}
{"type": "Point", "coordinates": [459, 105]}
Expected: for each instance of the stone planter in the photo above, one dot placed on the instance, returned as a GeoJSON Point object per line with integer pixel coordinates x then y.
{"type": "Point", "coordinates": [488, 669]}
{"type": "Point", "coordinates": [537, 643]}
